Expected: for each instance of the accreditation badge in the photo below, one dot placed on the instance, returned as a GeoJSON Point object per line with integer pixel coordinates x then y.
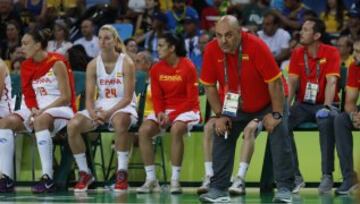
{"type": "Point", "coordinates": [231, 104]}
{"type": "Point", "coordinates": [311, 92]}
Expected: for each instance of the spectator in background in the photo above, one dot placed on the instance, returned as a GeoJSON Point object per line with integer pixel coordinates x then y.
{"type": "Point", "coordinates": [276, 38]}
{"type": "Point", "coordinates": [210, 15]}
{"type": "Point", "coordinates": [36, 8]}
{"type": "Point", "coordinates": [292, 17]}
{"type": "Point", "coordinates": [78, 58]}
{"type": "Point", "coordinates": [7, 13]}
{"type": "Point", "coordinates": [166, 4]}
{"type": "Point", "coordinates": [16, 59]}
{"type": "Point", "coordinates": [344, 124]}
{"type": "Point", "coordinates": [176, 16]}
{"type": "Point", "coordinates": [131, 48]}
{"type": "Point", "coordinates": [150, 38]}
{"type": "Point", "coordinates": [89, 41]}
{"type": "Point", "coordinates": [144, 20]}
{"type": "Point", "coordinates": [308, 13]}
{"type": "Point", "coordinates": [277, 4]}
{"type": "Point", "coordinates": [253, 14]}
{"type": "Point", "coordinates": [136, 6]}
{"type": "Point", "coordinates": [293, 43]}
{"type": "Point", "coordinates": [28, 9]}
{"type": "Point", "coordinates": [203, 40]}
{"type": "Point", "coordinates": [345, 47]}
{"type": "Point", "coordinates": [61, 7]}
{"type": "Point", "coordinates": [12, 40]}
{"type": "Point", "coordinates": [60, 44]}
{"type": "Point", "coordinates": [353, 25]}
{"type": "Point", "coordinates": [313, 75]}
{"type": "Point", "coordinates": [192, 35]}
{"type": "Point", "coordinates": [334, 16]}
{"type": "Point", "coordinates": [236, 10]}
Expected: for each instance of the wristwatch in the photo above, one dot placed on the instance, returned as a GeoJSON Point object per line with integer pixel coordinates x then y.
{"type": "Point", "coordinates": [276, 115]}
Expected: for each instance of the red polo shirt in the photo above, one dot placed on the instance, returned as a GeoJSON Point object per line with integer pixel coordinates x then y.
{"type": "Point", "coordinates": [353, 80]}
{"type": "Point", "coordinates": [329, 59]}
{"type": "Point", "coordinates": [258, 68]}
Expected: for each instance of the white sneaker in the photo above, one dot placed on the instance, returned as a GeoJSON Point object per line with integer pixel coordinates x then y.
{"type": "Point", "coordinates": [299, 183]}
{"type": "Point", "coordinates": [149, 186]}
{"type": "Point", "coordinates": [204, 188]}
{"type": "Point", "coordinates": [175, 187]}
{"type": "Point", "coordinates": [237, 187]}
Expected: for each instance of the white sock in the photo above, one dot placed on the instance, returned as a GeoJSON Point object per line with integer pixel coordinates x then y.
{"type": "Point", "coordinates": [45, 147]}
{"type": "Point", "coordinates": [175, 173]}
{"type": "Point", "coordinates": [243, 167]}
{"type": "Point", "coordinates": [81, 162]}
{"type": "Point", "coordinates": [209, 169]}
{"type": "Point", "coordinates": [150, 172]}
{"type": "Point", "coordinates": [7, 146]}
{"type": "Point", "coordinates": [123, 159]}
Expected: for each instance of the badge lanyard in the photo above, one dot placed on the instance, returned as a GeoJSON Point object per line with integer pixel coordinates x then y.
{"type": "Point", "coordinates": [307, 68]}
{"type": "Point", "coordinates": [226, 67]}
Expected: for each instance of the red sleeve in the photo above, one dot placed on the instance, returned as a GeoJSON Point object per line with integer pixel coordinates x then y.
{"type": "Point", "coordinates": [192, 93]}
{"type": "Point", "coordinates": [334, 63]}
{"type": "Point", "coordinates": [26, 76]}
{"type": "Point", "coordinates": [352, 80]}
{"type": "Point", "coordinates": [208, 74]}
{"type": "Point", "coordinates": [293, 66]}
{"type": "Point", "coordinates": [156, 93]}
{"type": "Point", "coordinates": [265, 63]}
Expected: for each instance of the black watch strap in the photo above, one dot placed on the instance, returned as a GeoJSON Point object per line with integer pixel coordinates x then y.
{"type": "Point", "coordinates": [277, 115]}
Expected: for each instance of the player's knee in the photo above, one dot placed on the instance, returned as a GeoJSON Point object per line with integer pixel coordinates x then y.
{"type": "Point", "coordinates": [73, 127]}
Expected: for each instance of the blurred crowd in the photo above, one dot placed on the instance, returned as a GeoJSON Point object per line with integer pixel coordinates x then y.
{"type": "Point", "coordinates": [74, 24]}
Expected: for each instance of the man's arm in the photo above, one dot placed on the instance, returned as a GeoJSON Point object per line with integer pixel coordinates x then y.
{"type": "Point", "coordinates": [277, 95]}
{"type": "Point", "coordinates": [213, 98]}
{"type": "Point", "coordinates": [293, 24]}
{"type": "Point", "coordinates": [330, 89]}
{"type": "Point", "coordinates": [351, 98]}
{"type": "Point", "coordinates": [293, 83]}
{"type": "Point", "coordinates": [277, 101]}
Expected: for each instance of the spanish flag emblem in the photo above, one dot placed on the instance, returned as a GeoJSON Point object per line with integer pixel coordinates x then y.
{"type": "Point", "coordinates": [50, 73]}
{"type": "Point", "coordinates": [119, 74]}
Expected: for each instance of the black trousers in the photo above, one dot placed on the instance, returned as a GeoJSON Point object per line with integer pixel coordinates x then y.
{"type": "Point", "coordinates": [224, 150]}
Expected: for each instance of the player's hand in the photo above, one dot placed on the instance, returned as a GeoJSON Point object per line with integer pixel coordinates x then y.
{"type": "Point", "coordinates": [163, 119]}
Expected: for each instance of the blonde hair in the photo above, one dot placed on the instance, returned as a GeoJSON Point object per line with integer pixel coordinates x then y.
{"type": "Point", "coordinates": [120, 46]}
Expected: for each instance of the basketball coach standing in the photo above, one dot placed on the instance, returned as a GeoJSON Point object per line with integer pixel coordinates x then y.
{"type": "Point", "coordinates": [250, 88]}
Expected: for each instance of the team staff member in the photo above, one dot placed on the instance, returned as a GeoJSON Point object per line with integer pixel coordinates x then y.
{"type": "Point", "coordinates": [48, 89]}
{"type": "Point", "coordinates": [255, 92]}
{"type": "Point", "coordinates": [112, 73]}
{"type": "Point", "coordinates": [313, 73]}
{"type": "Point", "coordinates": [344, 123]}
{"type": "Point", "coordinates": [174, 91]}
{"type": "Point", "coordinates": [250, 133]}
